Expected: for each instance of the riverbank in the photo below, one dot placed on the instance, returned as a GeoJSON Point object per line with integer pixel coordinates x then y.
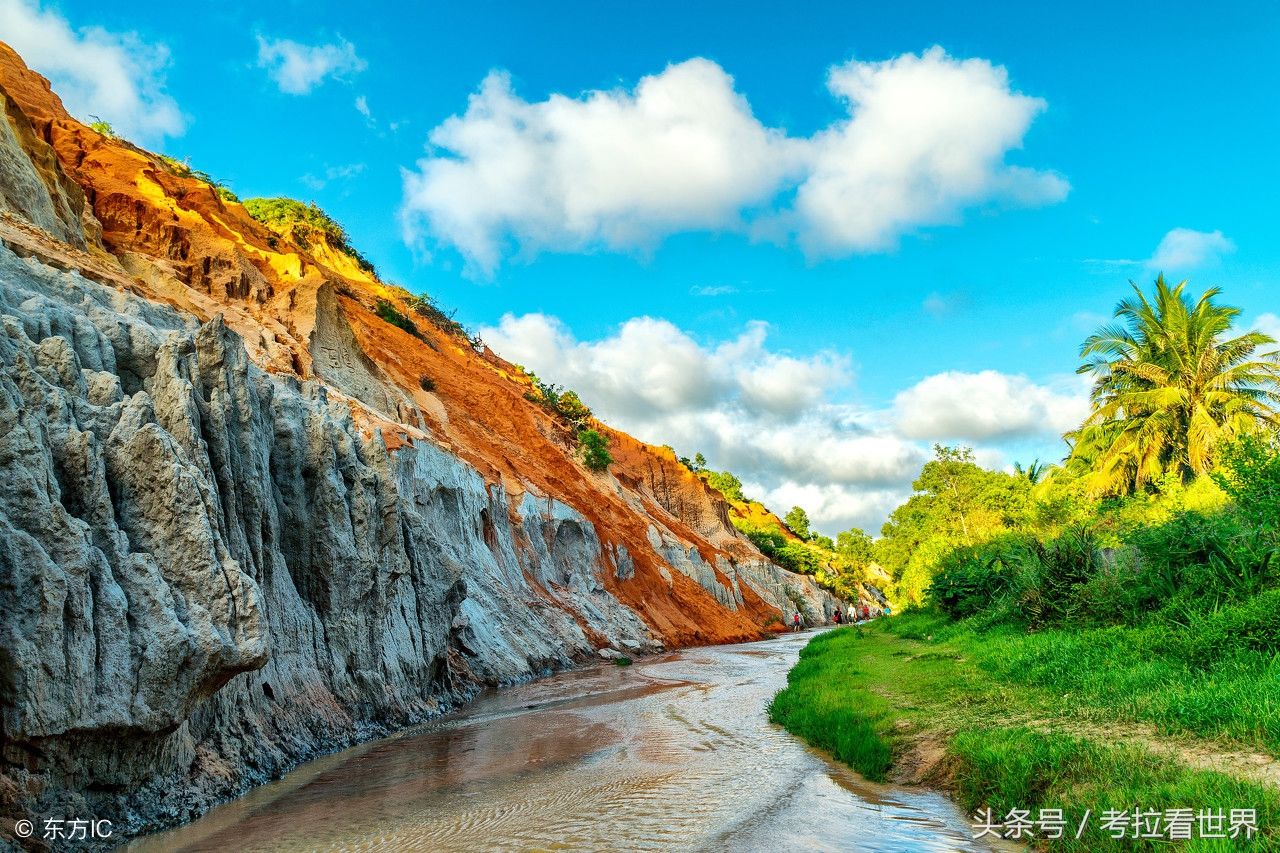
{"type": "Point", "coordinates": [671, 753]}
{"type": "Point", "coordinates": [1074, 720]}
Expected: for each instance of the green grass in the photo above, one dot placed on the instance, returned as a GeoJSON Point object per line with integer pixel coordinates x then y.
{"type": "Point", "coordinates": [1039, 720]}
{"type": "Point", "coordinates": [834, 713]}
{"type": "Point", "coordinates": [1215, 676]}
{"type": "Point", "coordinates": [1004, 769]}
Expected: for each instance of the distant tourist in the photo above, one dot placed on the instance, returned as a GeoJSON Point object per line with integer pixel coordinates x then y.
{"type": "Point", "coordinates": [837, 616]}
{"type": "Point", "coordinates": [795, 622]}
{"type": "Point", "coordinates": [853, 614]}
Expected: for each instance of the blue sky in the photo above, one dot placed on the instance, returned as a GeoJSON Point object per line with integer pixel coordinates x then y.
{"type": "Point", "coordinates": [1157, 116]}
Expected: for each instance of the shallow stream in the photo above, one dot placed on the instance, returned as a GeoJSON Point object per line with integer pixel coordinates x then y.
{"type": "Point", "coordinates": [672, 753]}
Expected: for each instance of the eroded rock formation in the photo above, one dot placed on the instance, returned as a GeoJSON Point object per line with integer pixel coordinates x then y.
{"type": "Point", "coordinates": [237, 529]}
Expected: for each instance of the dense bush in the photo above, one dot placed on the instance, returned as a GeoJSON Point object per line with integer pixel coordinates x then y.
{"type": "Point", "coordinates": [794, 556]}
{"type": "Point", "coordinates": [1050, 591]}
{"type": "Point", "coordinates": [1249, 473]}
{"type": "Point", "coordinates": [304, 223]}
{"type": "Point", "coordinates": [595, 450]}
{"type": "Point", "coordinates": [564, 403]}
{"type": "Point", "coordinates": [1191, 563]}
{"type": "Point", "coordinates": [387, 311]}
{"type": "Point", "coordinates": [969, 580]}
{"type": "Point", "coordinates": [726, 484]}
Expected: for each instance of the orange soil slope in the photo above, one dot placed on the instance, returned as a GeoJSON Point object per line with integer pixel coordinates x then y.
{"type": "Point", "coordinates": [310, 311]}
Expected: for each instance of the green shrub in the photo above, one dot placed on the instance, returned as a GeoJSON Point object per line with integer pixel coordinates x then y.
{"type": "Point", "coordinates": [968, 580]}
{"type": "Point", "coordinates": [570, 407]}
{"type": "Point", "coordinates": [304, 223]}
{"type": "Point", "coordinates": [392, 315]}
{"type": "Point", "coordinates": [566, 404]}
{"type": "Point", "coordinates": [797, 558]}
{"type": "Point", "coordinates": [426, 307]}
{"type": "Point", "coordinates": [1207, 558]}
{"type": "Point", "coordinates": [798, 520]}
{"type": "Point", "coordinates": [1250, 475]}
{"type": "Point", "coordinates": [726, 484]}
{"type": "Point", "coordinates": [768, 540]}
{"type": "Point", "coordinates": [1058, 569]}
{"type": "Point", "coordinates": [595, 450]}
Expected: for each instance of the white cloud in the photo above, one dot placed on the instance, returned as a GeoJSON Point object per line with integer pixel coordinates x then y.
{"type": "Point", "coordinates": [713, 290]}
{"type": "Point", "coordinates": [987, 406]}
{"type": "Point", "coordinates": [942, 304]}
{"type": "Point", "coordinates": [618, 169]}
{"type": "Point", "coordinates": [925, 137]}
{"type": "Point", "coordinates": [1183, 248]}
{"type": "Point", "coordinates": [333, 173]}
{"type": "Point", "coordinates": [362, 107]}
{"type": "Point", "coordinates": [770, 417]}
{"type": "Point", "coordinates": [116, 76]}
{"type": "Point", "coordinates": [298, 68]}
{"type": "Point", "coordinates": [1268, 324]}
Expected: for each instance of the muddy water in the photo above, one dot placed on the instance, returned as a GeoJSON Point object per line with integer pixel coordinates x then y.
{"type": "Point", "coordinates": [672, 753]}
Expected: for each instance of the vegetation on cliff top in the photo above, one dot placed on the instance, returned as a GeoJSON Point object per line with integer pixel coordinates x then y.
{"type": "Point", "coordinates": [841, 566]}
{"type": "Point", "coordinates": [305, 224]}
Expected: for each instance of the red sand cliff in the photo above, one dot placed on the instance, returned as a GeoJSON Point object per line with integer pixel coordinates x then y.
{"type": "Point", "coordinates": [311, 312]}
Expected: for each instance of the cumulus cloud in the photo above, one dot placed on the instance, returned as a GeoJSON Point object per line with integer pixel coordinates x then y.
{"type": "Point", "coordinates": [986, 406]}
{"type": "Point", "coordinates": [924, 137]}
{"type": "Point", "coordinates": [298, 68]}
{"type": "Point", "coordinates": [650, 368]}
{"type": "Point", "coordinates": [619, 169]}
{"type": "Point", "coordinates": [770, 417]}
{"type": "Point", "coordinates": [1184, 248]}
{"type": "Point", "coordinates": [118, 77]}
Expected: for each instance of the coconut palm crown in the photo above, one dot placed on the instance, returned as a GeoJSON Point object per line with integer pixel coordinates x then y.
{"type": "Point", "coordinates": [1171, 382]}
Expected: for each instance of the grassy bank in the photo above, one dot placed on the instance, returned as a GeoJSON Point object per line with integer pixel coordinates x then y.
{"type": "Point", "coordinates": [1105, 719]}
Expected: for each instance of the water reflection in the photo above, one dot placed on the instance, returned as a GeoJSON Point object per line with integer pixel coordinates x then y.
{"type": "Point", "coordinates": [673, 753]}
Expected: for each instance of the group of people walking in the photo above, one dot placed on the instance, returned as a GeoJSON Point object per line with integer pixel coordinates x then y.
{"type": "Point", "coordinates": [854, 615]}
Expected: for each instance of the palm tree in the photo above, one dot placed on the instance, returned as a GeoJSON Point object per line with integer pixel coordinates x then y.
{"type": "Point", "coordinates": [1170, 385]}
{"type": "Point", "coordinates": [1032, 473]}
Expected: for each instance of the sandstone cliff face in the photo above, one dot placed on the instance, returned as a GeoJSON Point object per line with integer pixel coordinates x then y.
{"type": "Point", "coordinates": [236, 531]}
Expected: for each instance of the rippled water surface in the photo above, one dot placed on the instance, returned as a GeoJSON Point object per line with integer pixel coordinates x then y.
{"type": "Point", "coordinates": [672, 753]}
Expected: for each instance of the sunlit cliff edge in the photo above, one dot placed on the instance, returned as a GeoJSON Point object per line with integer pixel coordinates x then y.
{"type": "Point", "coordinates": [246, 519]}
